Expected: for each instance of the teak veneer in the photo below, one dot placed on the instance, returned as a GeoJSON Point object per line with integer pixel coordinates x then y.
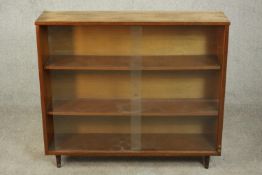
{"type": "Point", "coordinates": [132, 83]}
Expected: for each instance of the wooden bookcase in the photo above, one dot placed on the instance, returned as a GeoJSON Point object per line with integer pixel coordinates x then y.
{"type": "Point", "coordinates": [132, 83]}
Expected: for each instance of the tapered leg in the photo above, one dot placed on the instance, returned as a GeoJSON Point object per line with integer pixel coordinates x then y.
{"type": "Point", "coordinates": [206, 160]}
{"type": "Point", "coordinates": [58, 161]}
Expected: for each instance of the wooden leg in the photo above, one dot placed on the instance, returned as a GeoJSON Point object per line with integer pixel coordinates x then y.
{"type": "Point", "coordinates": [206, 161]}
{"type": "Point", "coordinates": [58, 161]}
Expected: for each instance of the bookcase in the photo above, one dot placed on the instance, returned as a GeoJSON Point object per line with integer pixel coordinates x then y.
{"type": "Point", "coordinates": [132, 83]}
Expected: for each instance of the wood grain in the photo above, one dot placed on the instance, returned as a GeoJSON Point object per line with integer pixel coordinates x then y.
{"type": "Point", "coordinates": [45, 86]}
{"type": "Point", "coordinates": [131, 18]}
{"type": "Point", "coordinates": [222, 84]}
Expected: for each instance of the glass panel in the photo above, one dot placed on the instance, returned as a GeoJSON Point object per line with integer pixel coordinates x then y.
{"type": "Point", "coordinates": [91, 110]}
{"type": "Point", "coordinates": [178, 133]}
{"type": "Point", "coordinates": [134, 87]}
{"type": "Point", "coordinates": [92, 133]}
{"type": "Point", "coordinates": [135, 74]}
{"type": "Point", "coordinates": [184, 100]}
{"type": "Point", "coordinates": [91, 100]}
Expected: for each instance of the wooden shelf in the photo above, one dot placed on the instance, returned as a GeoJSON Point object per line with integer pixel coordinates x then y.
{"type": "Point", "coordinates": [192, 62]}
{"type": "Point", "coordinates": [122, 142]}
{"type": "Point", "coordinates": [122, 107]}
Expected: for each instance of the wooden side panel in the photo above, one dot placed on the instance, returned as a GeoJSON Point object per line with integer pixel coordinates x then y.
{"type": "Point", "coordinates": [222, 87]}
{"type": "Point", "coordinates": [45, 86]}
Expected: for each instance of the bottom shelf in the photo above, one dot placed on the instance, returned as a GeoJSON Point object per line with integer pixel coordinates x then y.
{"type": "Point", "coordinates": [66, 143]}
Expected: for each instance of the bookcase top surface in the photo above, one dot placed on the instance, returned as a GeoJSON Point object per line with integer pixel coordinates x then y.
{"type": "Point", "coordinates": [131, 18]}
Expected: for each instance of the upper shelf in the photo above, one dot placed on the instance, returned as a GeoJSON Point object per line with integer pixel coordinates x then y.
{"type": "Point", "coordinates": [131, 18]}
{"type": "Point", "coordinates": [127, 63]}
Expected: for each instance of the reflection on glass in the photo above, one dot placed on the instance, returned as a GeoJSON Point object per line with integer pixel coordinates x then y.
{"type": "Point", "coordinates": [129, 88]}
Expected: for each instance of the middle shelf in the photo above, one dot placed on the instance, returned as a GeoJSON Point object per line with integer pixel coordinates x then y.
{"type": "Point", "coordinates": [183, 62]}
{"type": "Point", "coordinates": [123, 107]}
